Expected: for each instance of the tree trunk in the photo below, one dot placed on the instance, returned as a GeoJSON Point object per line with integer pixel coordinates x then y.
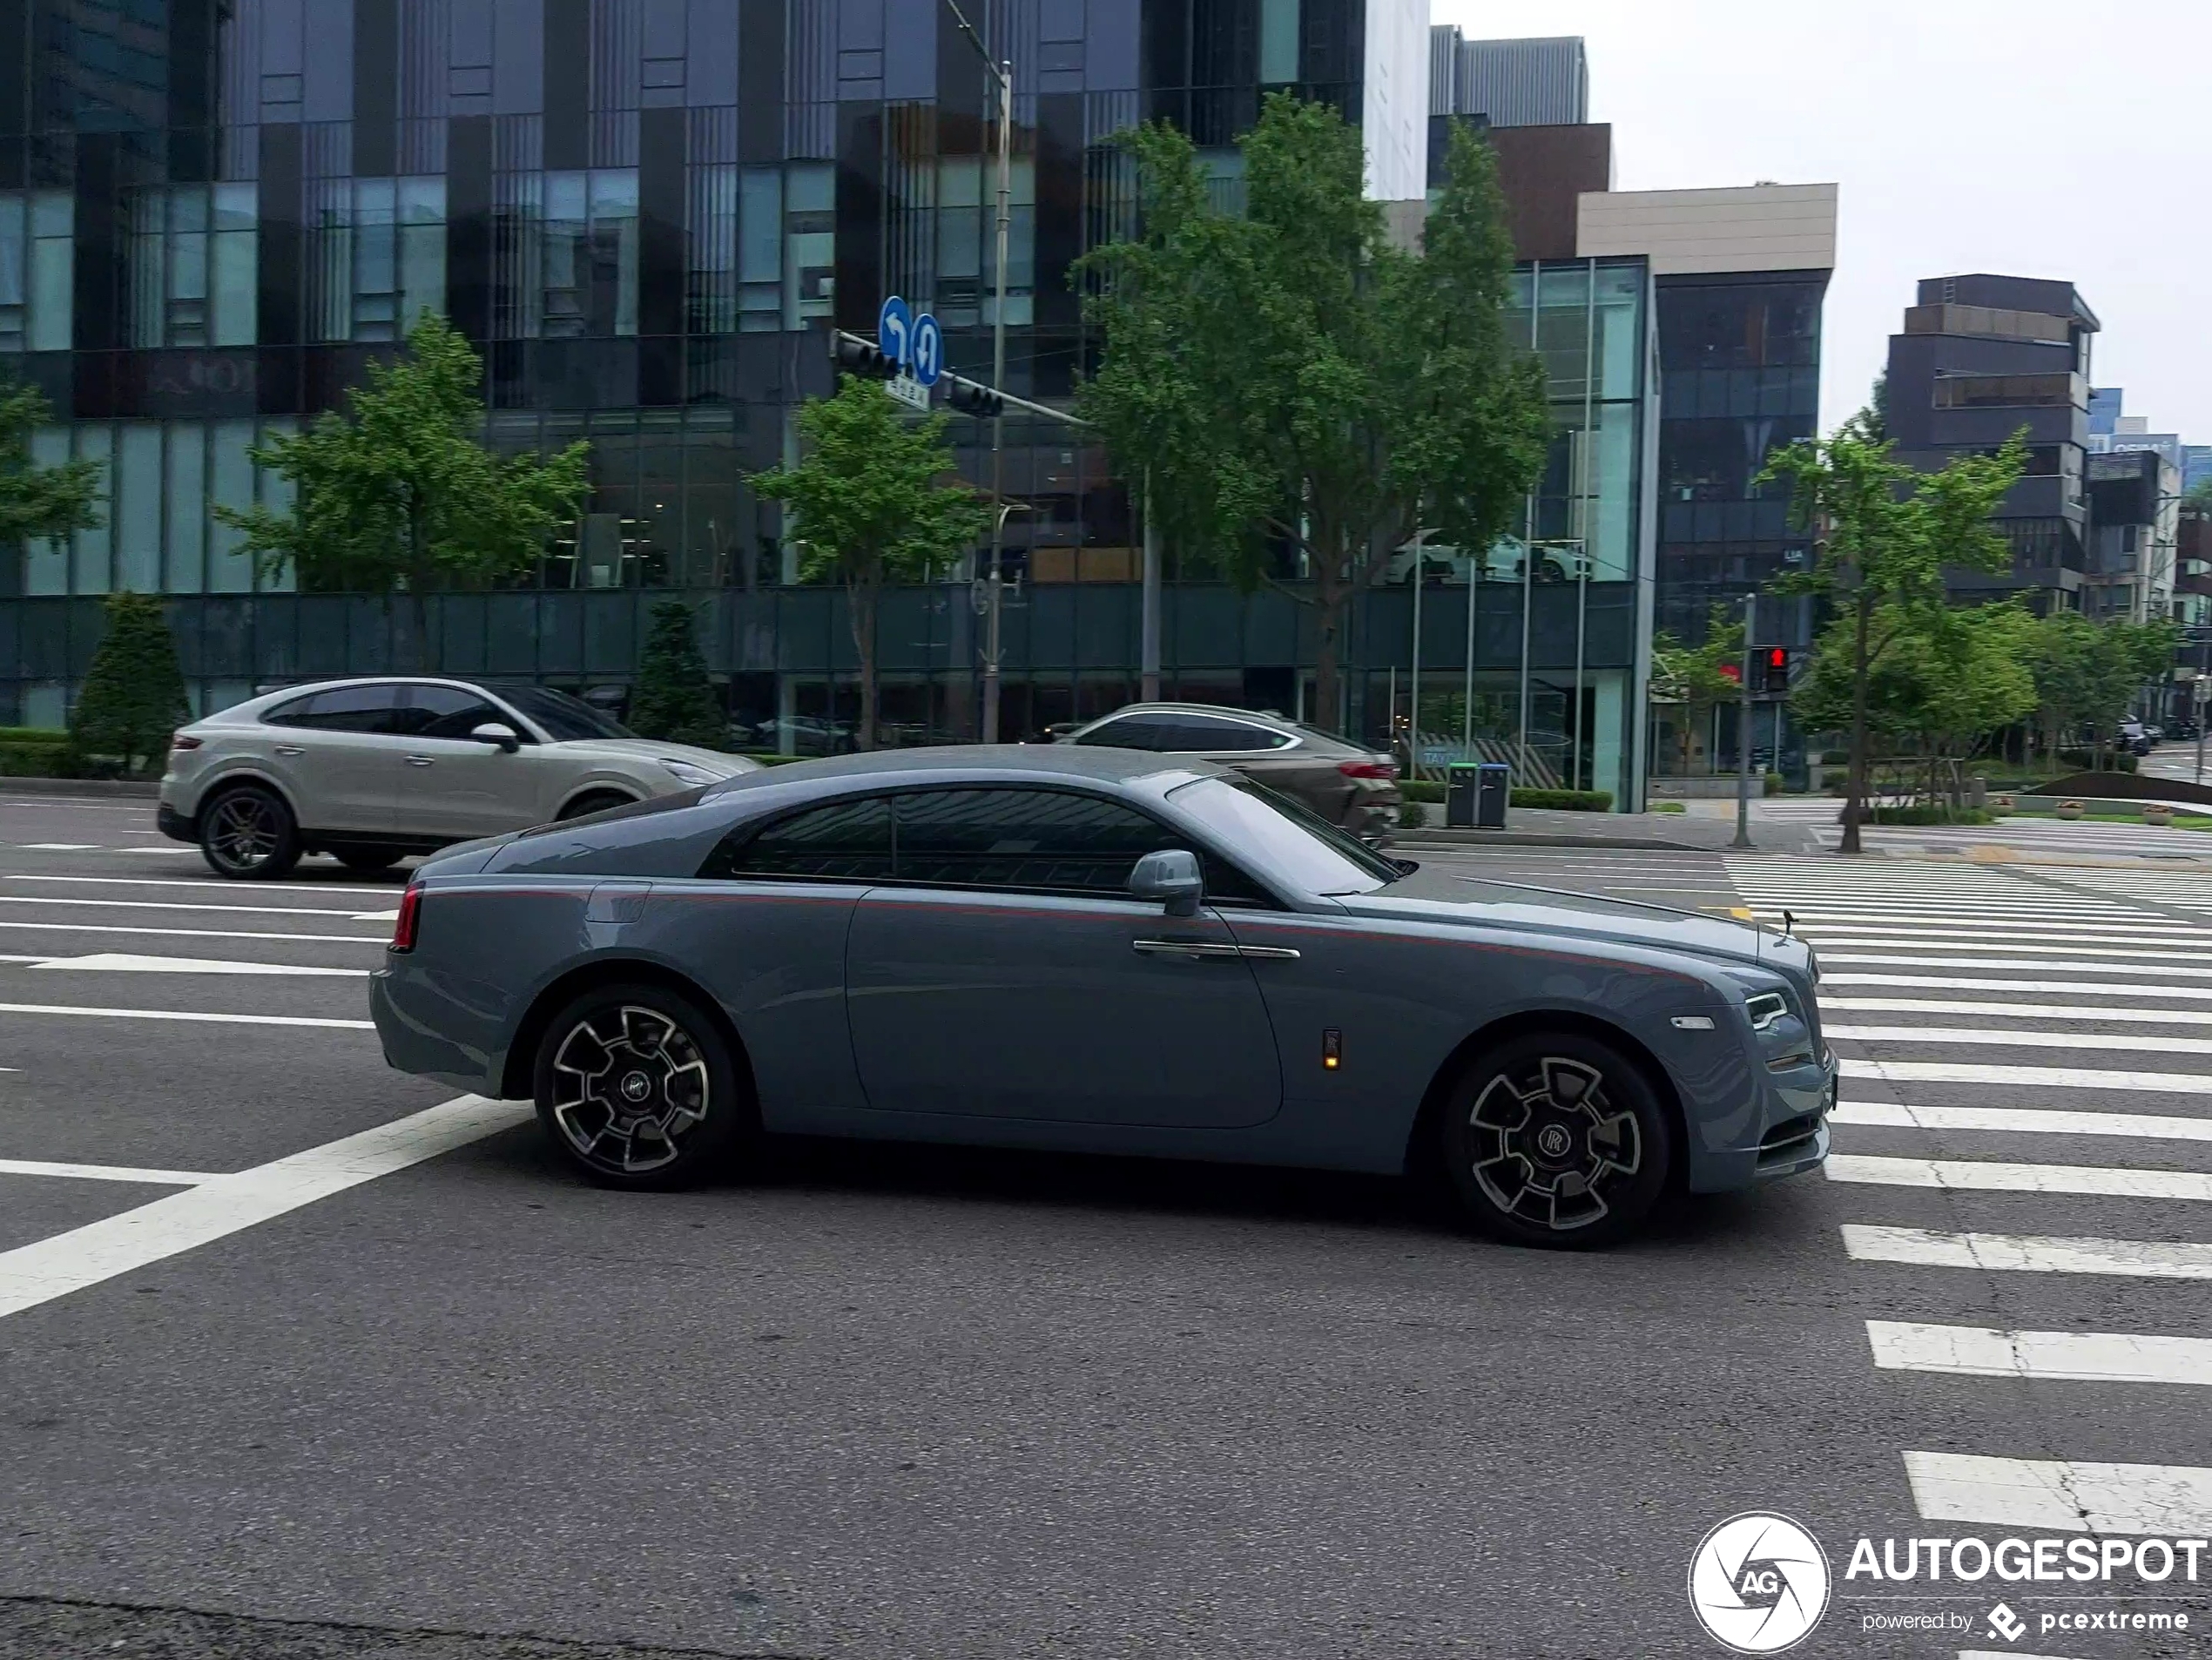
{"type": "Point", "coordinates": [860, 594]}
{"type": "Point", "coordinates": [1855, 791]}
{"type": "Point", "coordinates": [1331, 598]}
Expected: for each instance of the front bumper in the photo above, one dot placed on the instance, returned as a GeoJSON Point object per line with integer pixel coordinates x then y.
{"type": "Point", "coordinates": [1790, 1136]}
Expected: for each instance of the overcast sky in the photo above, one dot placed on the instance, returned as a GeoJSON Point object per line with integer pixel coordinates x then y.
{"type": "Point", "coordinates": [2029, 138]}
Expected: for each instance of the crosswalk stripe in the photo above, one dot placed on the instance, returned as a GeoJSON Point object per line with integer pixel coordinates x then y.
{"type": "Point", "coordinates": [2053, 1495]}
{"type": "Point", "coordinates": [2176, 963]}
{"type": "Point", "coordinates": [2020, 1253]}
{"type": "Point", "coordinates": [2077, 1357]}
{"type": "Point", "coordinates": [1981, 1176]}
{"type": "Point", "coordinates": [1965, 938]}
{"type": "Point", "coordinates": [2043, 1077]}
{"type": "Point", "coordinates": [2066, 987]}
{"type": "Point", "coordinates": [2143, 1043]}
{"type": "Point", "coordinates": [2017, 1011]}
{"type": "Point", "coordinates": [1885, 1115]}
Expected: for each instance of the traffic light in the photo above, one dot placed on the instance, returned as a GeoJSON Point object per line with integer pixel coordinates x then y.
{"type": "Point", "coordinates": [1774, 665]}
{"type": "Point", "coordinates": [970, 398]}
{"type": "Point", "coordinates": [853, 355]}
{"type": "Point", "coordinates": [1732, 671]}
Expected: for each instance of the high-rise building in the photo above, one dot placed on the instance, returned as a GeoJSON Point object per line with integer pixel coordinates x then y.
{"type": "Point", "coordinates": [1508, 82]}
{"type": "Point", "coordinates": [1982, 357]}
{"type": "Point", "coordinates": [646, 214]}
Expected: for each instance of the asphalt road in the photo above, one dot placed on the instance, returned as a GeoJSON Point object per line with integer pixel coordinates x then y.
{"type": "Point", "coordinates": [885, 1403]}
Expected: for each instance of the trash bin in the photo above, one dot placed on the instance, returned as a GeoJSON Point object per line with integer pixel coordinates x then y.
{"type": "Point", "coordinates": [1460, 780]}
{"type": "Point", "coordinates": [1490, 793]}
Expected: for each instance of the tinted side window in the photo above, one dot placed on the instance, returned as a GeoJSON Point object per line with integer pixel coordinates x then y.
{"type": "Point", "coordinates": [444, 712]}
{"type": "Point", "coordinates": [843, 841]}
{"type": "Point", "coordinates": [1204, 733]}
{"type": "Point", "coordinates": [361, 709]}
{"type": "Point", "coordinates": [1134, 731]}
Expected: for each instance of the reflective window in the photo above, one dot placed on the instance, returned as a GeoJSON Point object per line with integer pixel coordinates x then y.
{"type": "Point", "coordinates": [843, 841]}
{"type": "Point", "coordinates": [192, 265]}
{"type": "Point", "coordinates": [1054, 839]}
{"type": "Point", "coordinates": [444, 712]}
{"type": "Point", "coordinates": [565, 719]}
{"type": "Point", "coordinates": [1282, 836]}
{"type": "Point", "coordinates": [1207, 734]}
{"type": "Point", "coordinates": [37, 265]}
{"type": "Point", "coordinates": [358, 709]}
{"type": "Point", "coordinates": [1130, 732]}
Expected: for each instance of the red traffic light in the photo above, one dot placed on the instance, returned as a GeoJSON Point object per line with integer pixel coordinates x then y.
{"type": "Point", "coordinates": [1729, 672]}
{"type": "Point", "coordinates": [1775, 675]}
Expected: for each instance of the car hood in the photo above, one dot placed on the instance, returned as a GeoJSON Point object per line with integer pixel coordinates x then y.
{"type": "Point", "coordinates": [1433, 895]}
{"type": "Point", "coordinates": [652, 749]}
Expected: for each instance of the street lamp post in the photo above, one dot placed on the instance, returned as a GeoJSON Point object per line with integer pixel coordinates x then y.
{"type": "Point", "coordinates": [1002, 70]}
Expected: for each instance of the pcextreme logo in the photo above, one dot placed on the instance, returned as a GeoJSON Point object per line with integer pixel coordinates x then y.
{"type": "Point", "coordinates": [1758, 1583]}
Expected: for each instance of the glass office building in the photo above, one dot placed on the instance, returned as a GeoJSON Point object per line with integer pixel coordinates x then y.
{"type": "Point", "coordinates": [213, 214]}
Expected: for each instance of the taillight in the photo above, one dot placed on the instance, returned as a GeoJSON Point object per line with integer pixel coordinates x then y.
{"type": "Point", "coordinates": [184, 740]}
{"type": "Point", "coordinates": [1368, 769]}
{"type": "Point", "coordinates": [409, 918]}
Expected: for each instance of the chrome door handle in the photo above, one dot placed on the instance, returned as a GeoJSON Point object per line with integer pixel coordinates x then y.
{"type": "Point", "coordinates": [1191, 949]}
{"type": "Point", "coordinates": [290, 749]}
{"type": "Point", "coordinates": [1268, 953]}
{"type": "Point", "coordinates": [418, 760]}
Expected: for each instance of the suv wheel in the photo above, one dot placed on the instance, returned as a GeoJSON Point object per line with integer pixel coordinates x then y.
{"type": "Point", "coordinates": [596, 801]}
{"type": "Point", "coordinates": [1558, 1140]}
{"type": "Point", "coordinates": [247, 832]}
{"type": "Point", "coordinates": [637, 1086]}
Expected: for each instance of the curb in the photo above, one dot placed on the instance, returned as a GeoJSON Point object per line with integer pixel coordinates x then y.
{"type": "Point", "coordinates": [144, 789]}
{"type": "Point", "coordinates": [1542, 839]}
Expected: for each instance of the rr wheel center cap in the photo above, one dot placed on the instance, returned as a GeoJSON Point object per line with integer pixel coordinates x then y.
{"type": "Point", "coordinates": [1553, 1141]}
{"type": "Point", "coordinates": [636, 1087]}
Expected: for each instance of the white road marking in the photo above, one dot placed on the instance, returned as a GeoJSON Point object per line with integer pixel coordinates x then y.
{"type": "Point", "coordinates": [2072, 1357]}
{"type": "Point", "coordinates": [1995, 938]}
{"type": "Point", "coordinates": [64, 1262]}
{"type": "Point", "coordinates": [2054, 1497]}
{"type": "Point", "coordinates": [181, 1013]}
{"type": "Point", "coordinates": [123, 963]}
{"type": "Point", "coordinates": [1974, 1174]}
{"type": "Point", "coordinates": [2024, 1253]}
{"type": "Point", "coordinates": [2027, 1120]}
{"type": "Point", "coordinates": [2063, 988]}
{"type": "Point", "coordinates": [2044, 1078]}
{"type": "Point", "coordinates": [375, 916]}
{"type": "Point", "coordinates": [378, 939]}
{"type": "Point", "coordinates": [196, 881]}
{"type": "Point", "coordinates": [170, 905]}
{"type": "Point", "coordinates": [56, 847]}
{"type": "Point", "coordinates": [2018, 956]}
{"type": "Point", "coordinates": [2018, 1011]}
{"type": "Point", "coordinates": [106, 1173]}
{"type": "Point", "coordinates": [2134, 1043]}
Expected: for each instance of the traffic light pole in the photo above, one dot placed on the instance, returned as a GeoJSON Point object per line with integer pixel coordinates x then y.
{"type": "Point", "coordinates": [994, 583]}
{"type": "Point", "coordinates": [1743, 730]}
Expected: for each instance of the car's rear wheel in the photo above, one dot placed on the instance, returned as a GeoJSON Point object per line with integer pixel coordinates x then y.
{"type": "Point", "coordinates": [248, 832]}
{"type": "Point", "coordinates": [596, 801]}
{"type": "Point", "coordinates": [637, 1088]}
{"type": "Point", "coordinates": [367, 860]}
{"type": "Point", "coordinates": [1556, 1139]}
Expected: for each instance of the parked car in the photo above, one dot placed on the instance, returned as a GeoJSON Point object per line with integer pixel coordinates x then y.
{"type": "Point", "coordinates": [803, 735]}
{"type": "Point", "coordinates": [373, 770]}
{"type": "Point", "coordinates": [1097, 949]}
{"type": "Point", "coordinates": [1351, 786]}
{"type": "Point", "coordinates": [2136, 737]}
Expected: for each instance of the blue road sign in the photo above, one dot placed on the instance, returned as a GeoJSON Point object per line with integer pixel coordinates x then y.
{"type": "Point", "coordinates": [928, 360]}
{"type": "Point", "coordinates": [894, 330]}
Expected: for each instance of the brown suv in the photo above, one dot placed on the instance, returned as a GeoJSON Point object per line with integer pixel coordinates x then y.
{"type": "Point", "coordinates": [1347, 785]}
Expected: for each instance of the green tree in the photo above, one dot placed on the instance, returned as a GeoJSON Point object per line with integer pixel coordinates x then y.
{"type": "Point", "coordinates": [1884, 535]}
{"type": "Point", "coordinates": [40, 504]}
{"type": "Point", "coordinates": [675, 699]}
{"type": "Point", "coordinates": [2088, 674]}
{"type": "Point", "coordinates": [398, 493]}
{"type": "Point", "coordinates": [133, 697]}
{"type": "Point", "coordinates": [870, 503]}
{"type": "Point", "coordinates": [1290, 380]}
{"type": "Point", "coordinates": [1697, 676]}
{"type": "Point", "coordinates": [2199, 496]}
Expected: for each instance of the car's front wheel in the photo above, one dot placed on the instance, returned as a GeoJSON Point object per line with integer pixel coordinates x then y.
{"type": "Point", "coordinates": [248, 832]}
{"type": "Point", "coordinates": [637, 1086]}
{"type": "Point", "coordinates": [1556, 1139]}
{"type": "Point", "coordinates": [596, 801]}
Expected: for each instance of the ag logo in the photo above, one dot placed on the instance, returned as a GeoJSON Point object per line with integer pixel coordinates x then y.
{"type": "Point", "coordinates": [1758, 1584]}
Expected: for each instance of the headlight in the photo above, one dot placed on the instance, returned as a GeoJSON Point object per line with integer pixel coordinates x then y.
{"type": "Point", "coordinates": [690, 774]}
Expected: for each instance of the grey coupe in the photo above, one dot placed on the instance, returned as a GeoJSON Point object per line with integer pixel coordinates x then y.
{"type": "Point", "coordinates": [1100, 950]}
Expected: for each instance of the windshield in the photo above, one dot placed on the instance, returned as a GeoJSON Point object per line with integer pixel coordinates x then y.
{"type": "Point", "coordinates": [565, 719]}
{"type": "Point", "coordinates": [1274, 831]}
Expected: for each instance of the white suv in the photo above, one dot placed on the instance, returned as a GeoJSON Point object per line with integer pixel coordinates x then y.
{"type": "Point", "coordinates": [372, 771]}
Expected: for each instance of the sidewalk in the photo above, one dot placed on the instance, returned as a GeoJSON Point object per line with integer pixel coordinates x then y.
{"type": "Point", "coordinates": [1660, 832]}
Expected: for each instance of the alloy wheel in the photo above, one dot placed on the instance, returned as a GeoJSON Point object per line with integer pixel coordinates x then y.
{"type": "Point", "coordinates": [243, 831]}
{"type": "Point", "coordinates": [630, 1087]}
{"type": "Point", "coordinates": [1549, 1148]}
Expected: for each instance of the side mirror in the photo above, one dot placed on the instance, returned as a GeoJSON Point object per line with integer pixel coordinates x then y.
{"type": "Point", "coordinates": [498, 733]}
{"type": "Point", "coordinates": [1172, 878]}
